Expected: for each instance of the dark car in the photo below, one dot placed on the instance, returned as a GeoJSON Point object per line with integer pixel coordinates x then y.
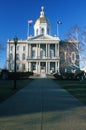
{"type": "Point", "coordinates": [4, 74]}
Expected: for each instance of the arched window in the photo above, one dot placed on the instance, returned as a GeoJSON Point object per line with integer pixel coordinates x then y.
{"type": "Point", "coordinates": [42, 31]}
{"type": "Point", "coordinates": [65, 55]}
{"type": "Point", "coordinates": [37, 32]}
{"type": "Point", "coordinates": [48, 31]}
{"type": "Point", "coordinates": [73, 56]}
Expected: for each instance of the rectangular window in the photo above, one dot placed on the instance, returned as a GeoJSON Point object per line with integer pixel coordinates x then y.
{"type": "Point", "coordinates": [23, 67]}
{"type": "Point", "coordinates": [11, 67]}
{"type": "Point", "coordinates": [23, 56]}
{"type": "Point", "coordinates": [11, 57]}
{"type": "Point", "coordinates": [17, 66]}
{"type": "Point", "coordinates": [11, 48]}
{"type": "Point", "coordinates": [33, 54]}
{"type": "Point", "coordinates": [24, 48]}
{"type": "Point", "coordinates": [17, 48]}
{"type": "Point", "coordinates": [33, 65]}
{"type": "Point", "coordinates": [17, 56]}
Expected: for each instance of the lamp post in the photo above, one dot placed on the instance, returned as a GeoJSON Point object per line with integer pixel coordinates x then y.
{"type": "Point", "coordinates": [15, 43]}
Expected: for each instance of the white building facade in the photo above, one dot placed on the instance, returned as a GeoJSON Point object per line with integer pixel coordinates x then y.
{"type": "Point", "coordinates": [38, 53]}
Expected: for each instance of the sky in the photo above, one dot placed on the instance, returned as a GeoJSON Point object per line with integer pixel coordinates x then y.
{"type": "Point", "coordinates": [14, 16]}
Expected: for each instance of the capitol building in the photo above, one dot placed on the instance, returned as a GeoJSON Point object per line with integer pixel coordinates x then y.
{"type": "Point", "coordinates": [41, 52]}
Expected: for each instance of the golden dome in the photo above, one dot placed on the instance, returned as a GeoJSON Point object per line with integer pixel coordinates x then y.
{"type": "Point", "coordinates": [42, 18]}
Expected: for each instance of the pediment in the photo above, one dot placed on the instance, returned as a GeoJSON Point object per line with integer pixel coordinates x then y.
{"type": "Point", "coordinates": [43, 37]}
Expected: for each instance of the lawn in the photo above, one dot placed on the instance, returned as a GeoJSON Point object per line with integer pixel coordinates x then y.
{"type": "Point", "coordinates": [76, 88]}
{"type": "Point", "coordinates": [6, 87]}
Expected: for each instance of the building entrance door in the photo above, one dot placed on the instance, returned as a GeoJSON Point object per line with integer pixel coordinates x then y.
{"type": "Point", "coordinates": [43, 65]}
{"type": "Point", "coordinates": [43, 69]}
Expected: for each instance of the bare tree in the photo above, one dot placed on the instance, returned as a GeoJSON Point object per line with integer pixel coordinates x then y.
{"type": "Point", "coordinates": [69, 57]}
{"type": "Point", "coordinates": [75, 34]}
{"type": "Point", "coordinates": [82, 48]}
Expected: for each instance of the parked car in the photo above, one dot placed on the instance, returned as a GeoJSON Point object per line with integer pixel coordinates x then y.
{"type": "Point", "coordinates": [4, 74]}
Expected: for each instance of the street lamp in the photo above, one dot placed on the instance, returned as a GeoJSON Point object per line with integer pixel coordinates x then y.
{"type": "Point", "coordinates": [15, 43]}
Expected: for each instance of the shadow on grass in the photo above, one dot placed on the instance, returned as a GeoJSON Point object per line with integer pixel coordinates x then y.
{"type": "Point", "coordinates": [7, 87]}
{"type": "Point", "coordinates": [41, 95]}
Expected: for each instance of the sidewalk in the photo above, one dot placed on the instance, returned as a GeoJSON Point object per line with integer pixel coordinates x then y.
{"type": "Point", "coordinates": [42, 105]}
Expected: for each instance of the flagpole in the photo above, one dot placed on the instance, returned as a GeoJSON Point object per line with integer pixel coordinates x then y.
{"type": "Point", "coordinates": [28, 31]}
{"type": "Point", "coordinates": [57, 30]}
{"type": "Point", "coordinates": [58, 23]}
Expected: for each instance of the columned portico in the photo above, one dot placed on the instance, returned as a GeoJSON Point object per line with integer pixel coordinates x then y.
{"type": "Point", "coordinates": [44, 50]}
{"type": "Point", "coordinates": [47, 66]}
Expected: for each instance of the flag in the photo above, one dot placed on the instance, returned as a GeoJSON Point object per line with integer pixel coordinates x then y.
{"type": "Point", "coordinates": [59, 22]}
{"type": "Point", "coordinates": [30, 21]}
{"type": "Point", "coordinates": [29, 24]}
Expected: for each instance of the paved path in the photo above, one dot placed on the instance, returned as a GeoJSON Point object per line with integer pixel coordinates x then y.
{"type": "Point", "coordinates": [42, 105]}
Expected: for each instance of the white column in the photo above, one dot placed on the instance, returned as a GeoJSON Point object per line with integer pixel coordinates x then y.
{"type": "Point", "coordinates": [39, 68]}
{"type": "Point", "coordinates": [39, 50]}
{"type": "Point", "coordinates": [26, 69]}
{"type": "Point", "coordinates": [56, 50]}
{"type": "Point", "coordinates": [29, 66]}
{"type": "Point", "coordinates": [29, 50]}
{"type": "Point", "coordinates": [36, 67]}
{"type": "Point", "coordinates": [46, 51]}
{"type": "Point", "coordinates": [46, 68]}
{"type": "Point", "coordinates": [56, 66]}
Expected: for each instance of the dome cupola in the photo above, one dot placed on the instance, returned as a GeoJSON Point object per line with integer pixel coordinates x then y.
{"type": "Point", "coordinates": [42, 24]}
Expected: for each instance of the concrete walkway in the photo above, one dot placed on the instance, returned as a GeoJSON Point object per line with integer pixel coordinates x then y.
{"type": "Point", "coordinates": [42, 105]}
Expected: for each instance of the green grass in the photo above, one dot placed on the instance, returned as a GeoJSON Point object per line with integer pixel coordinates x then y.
{"type": "Point", "coordinates": [6, 87]}
{"type": "Point", "coordinates": [76, 88]}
